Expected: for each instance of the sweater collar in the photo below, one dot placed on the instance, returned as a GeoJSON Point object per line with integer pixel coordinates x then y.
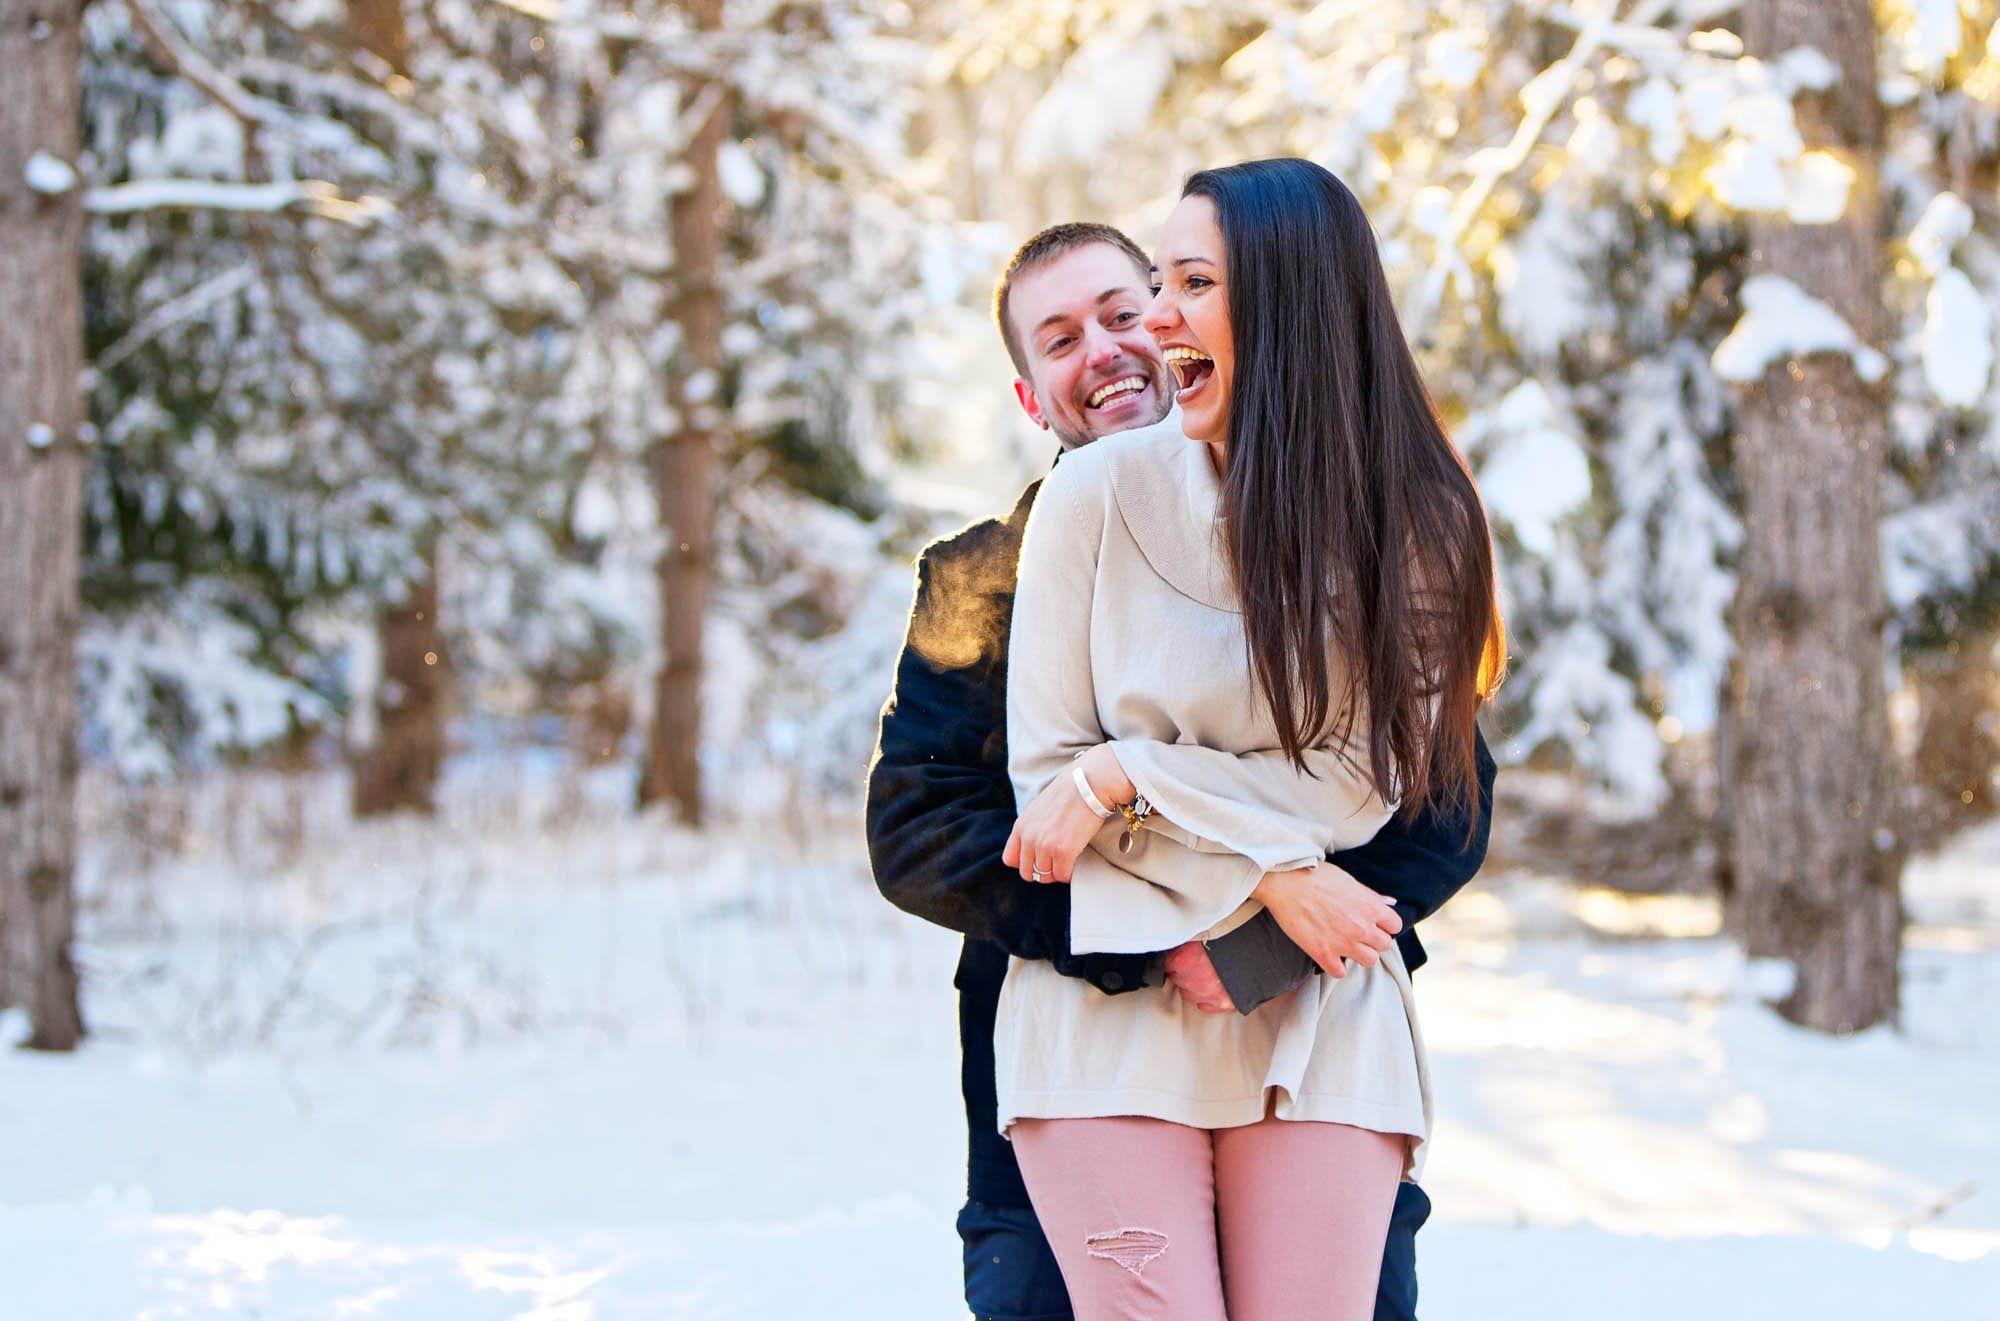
{"type": "Point", "coordinates": [1169, 496]}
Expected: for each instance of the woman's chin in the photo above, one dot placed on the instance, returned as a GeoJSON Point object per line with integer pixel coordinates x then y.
{"type": "Point", "coordinates": [1196, 424]}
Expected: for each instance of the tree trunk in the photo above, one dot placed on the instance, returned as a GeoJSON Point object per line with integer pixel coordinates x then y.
{"type": "Point", "coordinates": [377, 27]}
{"type": "Point", "coordinates": [685, 464]}
{"type": "Point", "coordinates": [399, 770]}
{"type": "Point", "coordinates": [1815, 838]}
{"type": "Point", "coordinates": [41, 476]}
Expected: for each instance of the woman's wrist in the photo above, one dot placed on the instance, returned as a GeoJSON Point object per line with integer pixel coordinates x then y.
{"type": "Point", "coordinates": [1272, 884]}
{"type": "Point", "coordinates": [1107, 775]}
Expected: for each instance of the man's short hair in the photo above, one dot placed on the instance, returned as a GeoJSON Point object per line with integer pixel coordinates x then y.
{"type": "Point", "coordinates": [1039, 251]}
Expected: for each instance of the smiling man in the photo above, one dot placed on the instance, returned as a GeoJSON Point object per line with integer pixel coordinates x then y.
{"type": "Point", "coordinates": [1071, 308]}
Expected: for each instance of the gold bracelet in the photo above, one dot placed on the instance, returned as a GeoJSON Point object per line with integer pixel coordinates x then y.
{"type": "Point", "coordinates": [1135, 814]}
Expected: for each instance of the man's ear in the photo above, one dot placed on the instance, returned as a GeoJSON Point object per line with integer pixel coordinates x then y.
{"type": "Point", "coordinates": [1024, 393]}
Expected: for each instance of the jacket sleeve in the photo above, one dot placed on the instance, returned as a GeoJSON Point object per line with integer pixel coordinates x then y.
{"type": "Point", "coordinates": [940, 805]}
{"type": "Point", "coordinates": [1425, 862]}
{"type": "Point", "coordinates": [1419, 863]}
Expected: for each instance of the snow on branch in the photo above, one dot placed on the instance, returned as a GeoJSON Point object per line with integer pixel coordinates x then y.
{"type": "Point", "coordinates": [698, 113]}
{"type": "Point", "coordinates": [549, 11]}
{"type": "Point", "coordinates": [314, 195]}
{"type": "Point", "coordinates": [1943, 225]}
{"type": "Point", "coordinates": [1543, 96]}
{"type": "Point", "coordinates": [50, 175]}
{"type": "Point", "coordinates": [1956, 343]}
{"type": "Point", "coordinates": [1781, 320]}
{"type": "Point", "coordinates": [343, 90]}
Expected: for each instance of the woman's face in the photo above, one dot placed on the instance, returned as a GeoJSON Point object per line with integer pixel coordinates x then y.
{"type": "Point", "coordinates": [1190, 317]}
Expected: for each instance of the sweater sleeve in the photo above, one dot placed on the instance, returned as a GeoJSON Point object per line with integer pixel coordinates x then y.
{"type": "Point", "coordinates": [1052, 715]}
{"type": "Point", "coordinates": [1051, 694]}
{"type": "Point", "coordinates": [1168, 891]}
{"type": "Point", "coordinates": [1258, 804]}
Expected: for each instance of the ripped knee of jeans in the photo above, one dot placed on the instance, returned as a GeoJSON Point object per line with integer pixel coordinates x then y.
{"type": "Point", "coordinates": [1134, 1249]}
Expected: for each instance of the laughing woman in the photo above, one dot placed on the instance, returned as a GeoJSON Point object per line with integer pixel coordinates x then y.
{"type": "Point", "coordinates": [1242, 639]}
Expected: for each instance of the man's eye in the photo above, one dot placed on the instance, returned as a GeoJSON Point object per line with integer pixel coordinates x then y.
{"type": "Point", "coordinates": [1056, 345]}
{"type": "Point", "coordinates": [1124, 318]}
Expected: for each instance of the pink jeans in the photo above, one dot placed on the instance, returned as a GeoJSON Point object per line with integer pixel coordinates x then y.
{"type": "Point", "coordinates": [1152, 1221]}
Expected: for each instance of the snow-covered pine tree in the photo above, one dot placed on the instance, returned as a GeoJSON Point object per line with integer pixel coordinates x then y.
{"type": "Point", "coordinates": [298, 405]}
{"type": "Point", "coordinates": [299, 410]}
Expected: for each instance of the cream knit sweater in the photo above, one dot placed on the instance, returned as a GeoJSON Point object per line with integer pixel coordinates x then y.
{"type": "Point", "coordinates": [1127, 630]}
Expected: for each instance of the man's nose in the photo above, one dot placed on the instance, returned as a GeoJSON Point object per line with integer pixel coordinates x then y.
{"type": "Point", "coordinates": [1102, 345]}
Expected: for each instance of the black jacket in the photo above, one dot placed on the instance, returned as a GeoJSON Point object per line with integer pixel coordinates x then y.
{"type": "Point", "coordinates": [941, 805]}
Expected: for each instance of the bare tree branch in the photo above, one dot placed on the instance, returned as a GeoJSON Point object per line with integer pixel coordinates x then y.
{"type": "Point", "coordinates": [249, 109]}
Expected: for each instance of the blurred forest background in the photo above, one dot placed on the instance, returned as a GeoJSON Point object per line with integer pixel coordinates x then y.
{"type": "Point", "coordinates": [390, 382]}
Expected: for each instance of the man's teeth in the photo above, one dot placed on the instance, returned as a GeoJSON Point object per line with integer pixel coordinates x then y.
{"type": "Point", "coordinates": [1127, 386]}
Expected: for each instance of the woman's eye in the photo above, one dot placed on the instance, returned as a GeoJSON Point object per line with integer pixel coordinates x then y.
{"type": "Point", "coordinates": [1199, 282]}
{"type": "Point", "coordinates": [1154, 290]}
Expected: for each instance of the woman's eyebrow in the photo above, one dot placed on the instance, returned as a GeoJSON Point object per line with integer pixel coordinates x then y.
{"type": "Point", "coordinates": [1182, 261]}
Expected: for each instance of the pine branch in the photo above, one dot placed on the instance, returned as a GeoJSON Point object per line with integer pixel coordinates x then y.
{"type": "Point", "coordinates": [251, 111]}
{"type": "Point", "coordinates": [174, 312]}
{"type": "Point", "coordinates": [1551, 91]}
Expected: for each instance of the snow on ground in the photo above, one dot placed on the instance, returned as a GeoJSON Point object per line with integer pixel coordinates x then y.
{"type": "Point", "coordinates": [540, 1060]}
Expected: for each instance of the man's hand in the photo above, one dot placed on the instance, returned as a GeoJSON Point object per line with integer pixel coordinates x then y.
{"type": "Point", "coordinates": [1330, 915]}
{"type": "Point", "coordinates": [1058, 825]}
{"type": "Point", "coordinates": [1191, 973]}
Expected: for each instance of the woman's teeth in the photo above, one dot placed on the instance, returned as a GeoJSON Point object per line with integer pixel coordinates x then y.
{"type": "Point", "coordinates": [1188, 365]}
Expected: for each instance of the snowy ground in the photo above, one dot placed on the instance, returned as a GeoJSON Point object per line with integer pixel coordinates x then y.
{"type": "Point", "coordinates": [542, 1061]}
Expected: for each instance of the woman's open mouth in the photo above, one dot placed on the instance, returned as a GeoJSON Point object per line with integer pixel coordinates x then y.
{"type": "Point", "coordinates": [1191, 368]}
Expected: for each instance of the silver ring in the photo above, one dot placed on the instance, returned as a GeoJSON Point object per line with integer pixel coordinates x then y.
{"type": "Point", "coordinates": [1038, 874]}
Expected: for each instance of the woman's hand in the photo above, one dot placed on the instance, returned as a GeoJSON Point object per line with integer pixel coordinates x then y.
{"type": "Point", "coordinates": [1058, 824]}
{"type": "Point", "coordinates": [1330, 915]}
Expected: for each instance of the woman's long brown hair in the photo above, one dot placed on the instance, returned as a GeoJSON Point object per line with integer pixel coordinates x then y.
{"type": "Point", "coordinates": [1353, 526]}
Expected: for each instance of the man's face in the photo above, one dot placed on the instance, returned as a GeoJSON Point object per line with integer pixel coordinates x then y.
{"type": "Point", "coordinates": [1093, 369]}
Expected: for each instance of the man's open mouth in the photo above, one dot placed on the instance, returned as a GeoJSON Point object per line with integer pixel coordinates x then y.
{"type": "Point", "coordinates": [1190, 367]}
{"type": "Point", "coordinates": [1112, 391]}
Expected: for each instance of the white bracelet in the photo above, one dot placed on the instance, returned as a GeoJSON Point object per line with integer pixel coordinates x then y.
{"type": "Point", "coordinates": [1090, 798]}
